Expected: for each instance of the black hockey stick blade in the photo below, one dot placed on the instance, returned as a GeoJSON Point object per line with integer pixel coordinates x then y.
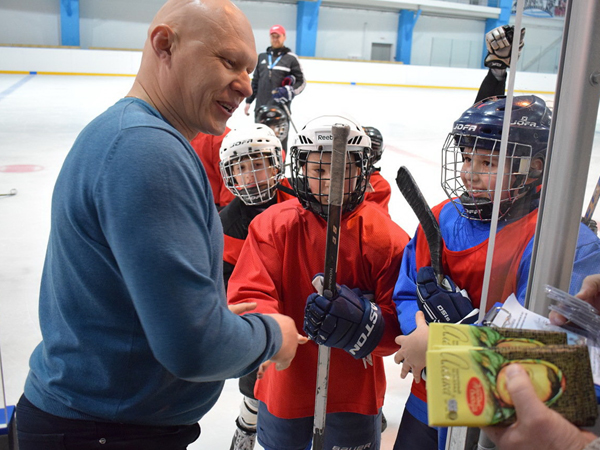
{"type": "Point", "coordinates": [334, 217]}
{"type": "Point", "coordinates": [411, 192]}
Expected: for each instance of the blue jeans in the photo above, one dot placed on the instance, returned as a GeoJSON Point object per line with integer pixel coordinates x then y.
{"type": "Point", "coordinates": [414, 434]}
{"type": "Point", "coordinates": [342, 430]}
{"type": "Point", "coordinates": [38, 430]}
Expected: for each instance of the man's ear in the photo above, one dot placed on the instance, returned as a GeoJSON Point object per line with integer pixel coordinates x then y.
{"type": "Point", "coordinates": [162, 38]}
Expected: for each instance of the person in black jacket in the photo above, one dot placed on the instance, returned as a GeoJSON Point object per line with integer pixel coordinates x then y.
{"type": "Point", "coordinates": [278, 77]}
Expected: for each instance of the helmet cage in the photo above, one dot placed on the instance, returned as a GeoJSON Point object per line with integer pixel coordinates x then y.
{"type": "Point", "coordinates": [251, 164]}
{"type": "Point", "coordinates": [477, 204]}
{"type": "Point", "coordinates": [358, 155]}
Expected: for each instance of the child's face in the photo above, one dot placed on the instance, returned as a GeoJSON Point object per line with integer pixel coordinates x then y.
{"type": "Point", "coordinates": [254, 172]}
{"type": "Point", "coordinates": [318, 171]}
{"type": "Point", "coordinates": [479, 173]}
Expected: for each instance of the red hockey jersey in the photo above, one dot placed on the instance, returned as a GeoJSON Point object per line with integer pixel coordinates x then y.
{"type": "Point", "coordinates": [207, 148]}
{"type": "Point", "coordinates": [285, 248]}
{"type": "Point", "coordinates": [382, 190]}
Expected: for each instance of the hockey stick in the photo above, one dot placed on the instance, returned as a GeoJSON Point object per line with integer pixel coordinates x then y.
{"type": "Point", "coordinates": [411, 192]}
{"type": "Point", "coordinates": [289, 114]}
{"type": "Point", "coordinates": [592, 206]}
{"type": "Point", "coordinates": [334, 216]}
{"type": "Point", "coordinates": [9, 194]}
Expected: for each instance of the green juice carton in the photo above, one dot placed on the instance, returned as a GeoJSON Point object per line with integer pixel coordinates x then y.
{"type": "Point", "coordinates": [465, 374]}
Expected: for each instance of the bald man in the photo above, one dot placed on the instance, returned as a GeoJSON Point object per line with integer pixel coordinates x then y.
{"type": "Point", "coordinates": [137, 335]}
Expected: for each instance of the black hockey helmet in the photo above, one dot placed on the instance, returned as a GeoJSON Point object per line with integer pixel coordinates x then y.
{"type": "Point", "coordinates": [275, 118]}
{"type": "Point", "coordinates": [376, 142]}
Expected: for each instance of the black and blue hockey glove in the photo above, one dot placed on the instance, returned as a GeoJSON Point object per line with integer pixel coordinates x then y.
{"type": "Point", "coordinates": [443, 303]}
{"type": "Point", "coordinates": [283, 94]}
{"type": "Point", "coordinates": [348, 321]}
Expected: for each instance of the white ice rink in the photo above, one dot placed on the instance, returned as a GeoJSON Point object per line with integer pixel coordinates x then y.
{"type": "Point", "coordinates": [41, 115]}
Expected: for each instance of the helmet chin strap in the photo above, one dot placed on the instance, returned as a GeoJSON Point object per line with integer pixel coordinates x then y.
{"type": "Point", "coordinates": [522, 204]}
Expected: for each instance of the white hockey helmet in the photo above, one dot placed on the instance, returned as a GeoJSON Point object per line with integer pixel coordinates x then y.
{"type": "Point", "coordinates": [251, 163]}
{"type": "Point", "coordinates": [316, 137]}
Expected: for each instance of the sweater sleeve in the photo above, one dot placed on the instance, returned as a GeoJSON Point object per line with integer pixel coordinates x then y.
{"type": "Point", "coordinates": [156, 209]}
{"type": "Point", "coordinates": [405, 291]}
{"type": "Point", "coordinates": [257, 275]}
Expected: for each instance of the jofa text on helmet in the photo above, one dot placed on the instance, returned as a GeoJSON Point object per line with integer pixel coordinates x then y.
{"type": "Point", "coordinates": [460, 126]}
{"type": "Point", "coordinates": [524, 122]}
{"type": "Point", "coordinates": [245, 141]}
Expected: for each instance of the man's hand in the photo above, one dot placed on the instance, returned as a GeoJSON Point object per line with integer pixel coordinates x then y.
{"type": "Point", "coordinates": [413, 349]}
{"type": "Point", "coordinates": [247, 109]}
{"type": "Point", "coordinates": [443, 303]}
{"type": "Point", "coordinates": [537, 426]}
{"type": "Point", "coordinates": [589, 292]}
{"type": "Point", "coordinates": [291, 339]}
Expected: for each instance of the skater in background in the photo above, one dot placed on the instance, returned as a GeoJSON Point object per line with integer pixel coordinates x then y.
{"type": "Point", "coordinates": [283, 252]}
{"type": "Point", "coordinates": [278, 76]}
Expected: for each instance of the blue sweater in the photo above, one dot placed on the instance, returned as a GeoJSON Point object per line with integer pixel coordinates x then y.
{"type": "Point", "coordinates": [133, 312]}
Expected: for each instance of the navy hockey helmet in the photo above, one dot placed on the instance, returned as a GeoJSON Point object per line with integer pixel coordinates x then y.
{"type": "Point", "coordinates": [275, 118]}
{"type": "Point", "coordinates": [476, 136]}
{"type": "Point", "coordinates": [316, 138]}
{"type": "Point", "coordinates": [376, 142]}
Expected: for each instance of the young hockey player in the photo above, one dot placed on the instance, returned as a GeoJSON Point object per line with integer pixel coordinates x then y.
{"type": "Point", "coordinates": [252, 169]}
{"type": "Point", "coordinates": [470, 166]}
{"type": "Point", "coordinates": [284, 250]}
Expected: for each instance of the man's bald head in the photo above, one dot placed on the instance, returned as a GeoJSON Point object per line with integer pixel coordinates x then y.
{"type": "Point", "coordinates": [196, 64]}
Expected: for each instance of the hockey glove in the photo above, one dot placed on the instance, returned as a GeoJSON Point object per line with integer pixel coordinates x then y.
{"type": "Point", "coordinates": [348, 321]}
{"type": "Point", "coordinates": [499, 46]}
{"type": "Point", "coordinates": [283, 94]}
{"type": "Point", "coordinates": [288, 81]}
{"type": "Point", "coordinates": [443, 303]}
